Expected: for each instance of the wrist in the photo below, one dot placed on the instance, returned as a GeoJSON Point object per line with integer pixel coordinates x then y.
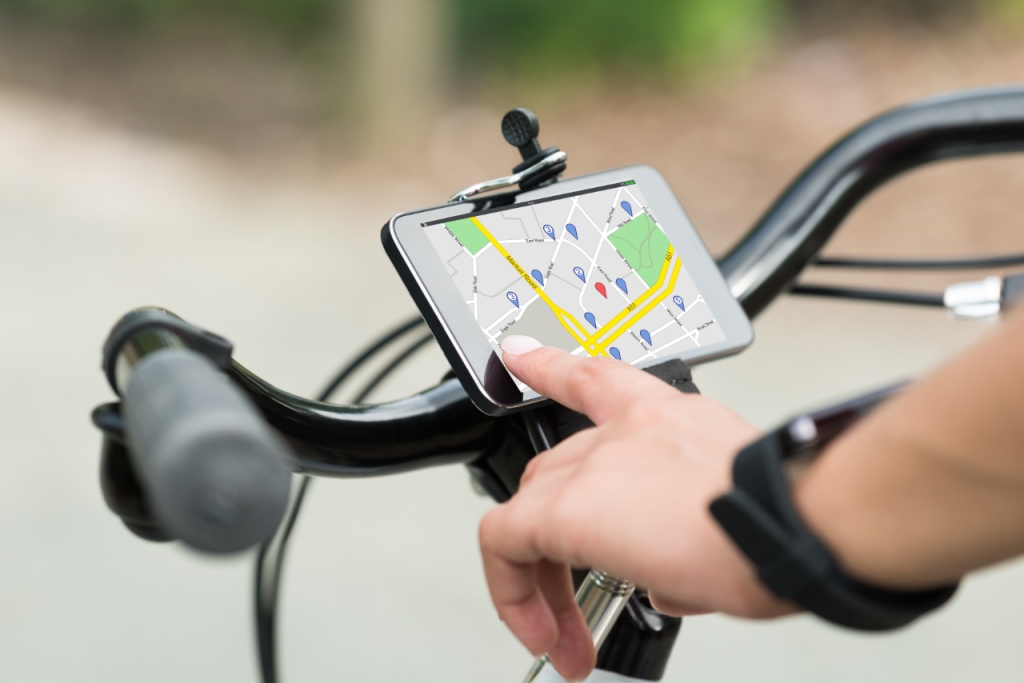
{"type": "Point", "coordinates": [837, 507]}
{"type": "Point", "coordinates": [791, 559]}
{"type": "Point", "coordinates": [931, 486]}
{"type": "Point", "coordinates": [897, 514]}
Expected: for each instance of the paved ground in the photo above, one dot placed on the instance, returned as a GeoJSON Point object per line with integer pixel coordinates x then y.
{"type": "Point", "coordinates": [384, 583]}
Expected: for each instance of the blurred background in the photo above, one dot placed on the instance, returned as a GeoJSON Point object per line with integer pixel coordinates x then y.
{"type": "Point", "coordinates": [233, 160]}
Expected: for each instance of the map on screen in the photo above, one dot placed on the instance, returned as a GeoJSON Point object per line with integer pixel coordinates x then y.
{"type": "Point", "coordinates": [592, 273]}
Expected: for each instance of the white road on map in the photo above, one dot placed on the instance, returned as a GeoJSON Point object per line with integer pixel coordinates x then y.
{"type": "Point", "coordinates": [588, 240]}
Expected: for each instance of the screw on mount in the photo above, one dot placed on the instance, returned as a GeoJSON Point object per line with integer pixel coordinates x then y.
{"type": "Point", "coordinates": [521, 128]}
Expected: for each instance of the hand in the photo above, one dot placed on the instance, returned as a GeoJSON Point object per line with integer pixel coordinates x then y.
{"type": "Point", "coordinates": [629, 496]}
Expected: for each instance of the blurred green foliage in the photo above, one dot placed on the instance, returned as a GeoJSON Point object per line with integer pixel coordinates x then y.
{"type": "Point", "coordinates": [540, 36]}
{"type": "Point", "coordinates": [287, 18]}
{"type": "Point", "coordinates": [518, 37]}
{"type": "Point", "coordinates": [534, 38]}
{"type": "Point", "coordinates": [1012, 10]}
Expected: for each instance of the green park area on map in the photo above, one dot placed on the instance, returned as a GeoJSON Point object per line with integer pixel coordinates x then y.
{"type": "Point", "coordinates": [468, 234]}
{"type": "Point", "coordinates": [643, 245]}
{"type": "Point", "coordinates": [616, 287]}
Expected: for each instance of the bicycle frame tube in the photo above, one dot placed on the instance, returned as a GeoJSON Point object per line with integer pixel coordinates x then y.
{"type": "Point", "coordinates": [968, 123]}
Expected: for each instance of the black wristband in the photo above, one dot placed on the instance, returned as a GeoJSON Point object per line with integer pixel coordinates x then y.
{"type": "Point", "coordinates": [759, 516]}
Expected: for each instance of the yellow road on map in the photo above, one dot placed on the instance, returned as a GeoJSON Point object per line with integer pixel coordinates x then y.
{"type": "Point", "coordinates": [589, 342]}
{"type": "Point", "coordinates": [559, 312]}
{"type": "Point", "coordinates": [632, 307]}
{"type": "Point", "coordinates": [645, 310]}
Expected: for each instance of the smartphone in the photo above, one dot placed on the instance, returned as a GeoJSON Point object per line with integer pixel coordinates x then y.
{"type": "Point", "coordinates": [606, 264]}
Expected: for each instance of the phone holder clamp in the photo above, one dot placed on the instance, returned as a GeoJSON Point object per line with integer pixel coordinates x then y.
{"type": "Point", "coordinates": [539, 166]}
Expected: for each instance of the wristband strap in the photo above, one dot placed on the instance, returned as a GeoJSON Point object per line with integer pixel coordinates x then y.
{"type": "Point", "coordinates": [759, 516]}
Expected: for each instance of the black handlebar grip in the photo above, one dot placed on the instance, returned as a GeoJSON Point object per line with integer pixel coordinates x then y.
{"type": "Point", "coordinates": [213, 469]}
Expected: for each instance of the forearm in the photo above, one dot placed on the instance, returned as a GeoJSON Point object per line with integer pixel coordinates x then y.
{"type": "Point", "coordinates": [932, 484]}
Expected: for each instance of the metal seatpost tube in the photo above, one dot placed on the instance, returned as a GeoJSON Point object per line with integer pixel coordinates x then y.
{"type": "Point", "coordinates": [601, 598]}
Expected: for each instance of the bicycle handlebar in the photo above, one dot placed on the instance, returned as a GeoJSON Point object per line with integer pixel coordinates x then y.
{"type": "Point", "coordinates": [442, 426]}
{"type": "Point", "coordinates": [968, 123]}
{"type": "Point", "coordinates": [438, 426]}
{"type": "Point", "coordinates": [430, 427]}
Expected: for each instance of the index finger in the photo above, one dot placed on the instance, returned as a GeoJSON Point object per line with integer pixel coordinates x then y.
{"type": "Point", "coordinates": [599, 387]}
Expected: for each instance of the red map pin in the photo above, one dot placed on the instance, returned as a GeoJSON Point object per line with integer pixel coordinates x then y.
{"type": "Point", "coordinates": [600, 288]}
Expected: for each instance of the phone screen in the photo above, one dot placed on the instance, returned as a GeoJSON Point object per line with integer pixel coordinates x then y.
{"type": "Point", "coordinates": [590, 272]}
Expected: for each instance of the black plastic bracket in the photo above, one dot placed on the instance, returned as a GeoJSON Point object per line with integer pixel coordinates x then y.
{"type": "Point", "coordinates": [520, 128]}
{"type": "Point", "coordinates": [540, 177]}
{"type": "Point", "coordinates": [213, 346]}
{"type": "Point", "coordinates": [122, 491]}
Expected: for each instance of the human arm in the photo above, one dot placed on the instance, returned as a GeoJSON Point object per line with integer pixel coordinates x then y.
{"type": "Point", "coordinates": [930, 485]}
{"type": "Point", "coordinates": [904, 499]}
{"type": "Point", "coordinates": [629, 496]}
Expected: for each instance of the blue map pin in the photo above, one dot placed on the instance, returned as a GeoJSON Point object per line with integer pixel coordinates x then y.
{"type": "Point", "coordinates": [572, 230]}
{"type": "Point", "coordinates": [679, 302]}
{"type": "Point", "coordinates": [550, 231]}
{"type": "Point", "coordinates": [646, 336]}
{"type": "Point", "coordinates": [615, 353]}
{"type": "Point", "coordinates": [537, 276]}
{"type": "Point", "coordinates": [622, 285]}
{"type": "Point", "coordinates": [579, 274]}
{"type": "Point", "coordinates": [591, 319]}
{"type": "Point", "coordinates": [513, 298]}
{"type": "Point", "coordinates": [627, 208]}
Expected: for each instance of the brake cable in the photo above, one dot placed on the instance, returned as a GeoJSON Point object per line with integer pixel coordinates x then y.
{"type": "Point", "coordinates": [270, 559]}
{"type": "Point", "coordinates": [979, 299]}
{"type": "Point", "coordinates": [975, 263]}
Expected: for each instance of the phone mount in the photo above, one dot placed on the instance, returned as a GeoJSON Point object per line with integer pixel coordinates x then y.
{"type": "Point", "coordinates": [539, 166]}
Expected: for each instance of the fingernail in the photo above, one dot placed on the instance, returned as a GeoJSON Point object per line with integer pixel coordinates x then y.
{"type": "Point", "coordinates": [517, 344]}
